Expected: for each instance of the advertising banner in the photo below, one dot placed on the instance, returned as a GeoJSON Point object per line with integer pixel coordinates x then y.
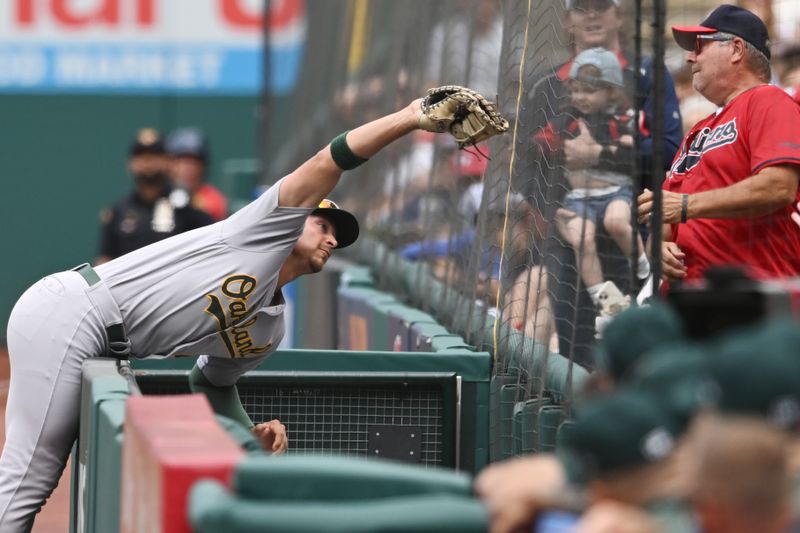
{"type": "Point", "coordinates": [148, 46]}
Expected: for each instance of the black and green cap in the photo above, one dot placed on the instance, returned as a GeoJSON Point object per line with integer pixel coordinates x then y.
{"type": "Point", "coordinates": [680, 375]}
{"type": "Point", "coordinates": [623, 430]}
{"type": "Point", "coordinates": [635, 332]}
{"type": "Point", "coordinates": [759, 376]}
{"type": "Point", "coordinates": [345, 222]}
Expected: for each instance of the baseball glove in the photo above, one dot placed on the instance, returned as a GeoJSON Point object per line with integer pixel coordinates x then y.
{"type": "Point", "coordinates": [466, 114]}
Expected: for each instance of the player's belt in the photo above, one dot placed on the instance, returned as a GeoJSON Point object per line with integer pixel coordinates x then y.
{"type": "Point", "coordinates": [118, 343]}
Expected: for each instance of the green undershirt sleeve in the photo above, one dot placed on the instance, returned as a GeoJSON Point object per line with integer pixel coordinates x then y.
{"type": "Point", "coordinates": [224, 400]}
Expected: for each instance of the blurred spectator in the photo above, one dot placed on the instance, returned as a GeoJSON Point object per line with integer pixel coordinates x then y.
{"type": "Point", "coordinates": [189, 155]}
{"type": "Point", "coordinates": [628, 340]}
{"type": "Point", "coordinates": [629, 448]}
{"type": "Point", "coordinates": [469, 43]}
{"type": "Point", "coordinates": [789, 71]}
{"type": "Point", "coordinates": [590, 23]}
{"type": "Point", "coordinates": [454, 249]}
{"type": "Point", "coordinates": [624, 449]}
{"type": "Point", "coordinates": [600, 195]}
{"type": "Point", "coordinates": [743, 483]}
{"type": "Point", "coordinates": [154, 210]}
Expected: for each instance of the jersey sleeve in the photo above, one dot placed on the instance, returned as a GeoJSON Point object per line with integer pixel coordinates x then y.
{"type": "Point", "coordinates": [223, 371]}
{"type": "Point", "coordinates": [772, 129]}
{"type": "Point", "coordinates": [263, 225]}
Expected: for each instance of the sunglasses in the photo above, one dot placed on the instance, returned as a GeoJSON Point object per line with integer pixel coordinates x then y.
{"type": "Point", "coordinates": [327, 204]}
{"type": "Point", "coordinates": [699, 38]}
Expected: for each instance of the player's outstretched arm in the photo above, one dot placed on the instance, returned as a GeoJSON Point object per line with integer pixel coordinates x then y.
{"type": "Point", "coordinates": [316, 178]}
{"type": "Point", "coordinates": [463, 113]}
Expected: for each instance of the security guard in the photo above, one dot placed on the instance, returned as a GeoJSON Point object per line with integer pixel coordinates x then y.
{"type": "Point", "coordinates": [154, 210]}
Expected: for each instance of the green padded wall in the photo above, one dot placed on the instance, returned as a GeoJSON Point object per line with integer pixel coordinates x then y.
{"type": "Point", "coordinates": [95, 499]}
{"type": "Point", "coordinates": [330, 397]}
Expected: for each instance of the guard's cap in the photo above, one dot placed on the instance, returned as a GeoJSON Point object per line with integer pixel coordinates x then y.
{"type": "Point", "coordinates": [189, 142]}
{"type": "Point", "coordinates": [147, 141]}
{"type": "Point", "coordinates": [346, 224]}
{"type": "Point", "coordinates": [728, 19]}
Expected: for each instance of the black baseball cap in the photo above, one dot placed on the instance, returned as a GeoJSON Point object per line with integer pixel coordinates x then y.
{"type": "Point", "coordinates": [147, 141]}
{"type": "Point", "coordinates": [728, 19]}
{"type": "Point", "coordinates": [346, 224]}
{"type": "Point", "coordinates": [633, 334]}
{"type": "Point", "coordinates": [626, 429]}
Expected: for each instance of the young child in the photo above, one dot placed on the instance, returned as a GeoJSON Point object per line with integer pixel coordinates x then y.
{"type": "Point", "coordinates": [600, 194]}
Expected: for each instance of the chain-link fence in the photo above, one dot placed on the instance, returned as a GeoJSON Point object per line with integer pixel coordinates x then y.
{"type": "Point", "coordinates": [535, 232]}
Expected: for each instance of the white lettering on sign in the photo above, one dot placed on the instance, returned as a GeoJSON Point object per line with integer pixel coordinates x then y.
{"type": "Point", "coordinates": [144, 69]}
{"type": "Point", "coordinates": [23, 68]}
{"type": "Point", "coordinates": [199, 46]}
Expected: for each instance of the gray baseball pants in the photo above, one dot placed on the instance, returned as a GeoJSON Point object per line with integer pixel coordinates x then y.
{"type": "Point", "coordinates": [53, 328]}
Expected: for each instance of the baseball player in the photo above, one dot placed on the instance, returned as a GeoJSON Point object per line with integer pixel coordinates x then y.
{"type": "Point", "coordinates": [214, 292]}
{"type": "Point", "coordinates": [728, 197]}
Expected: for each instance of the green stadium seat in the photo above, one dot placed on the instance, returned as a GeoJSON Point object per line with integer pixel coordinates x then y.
{"type": "Point", "coordinates": [550, 417]}
{"type": "Point", "coordinates": [526, 427]}
{"type": "Point", "coordinates": [213, 509]}
{"type": "Point", "coordinates": [326, 478]}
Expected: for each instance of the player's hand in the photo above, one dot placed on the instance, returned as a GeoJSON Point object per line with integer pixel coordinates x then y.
{"type": "Point", "coordinates": [515, 490]}
{"type": "Point", "coordinates": [272, 436]}
{"type": "Point", "coordinates": [796, 214]}
{"type": "Point", "coordinates": [670, 207]}
{"type": "Point", "coordinates": [672, 266]}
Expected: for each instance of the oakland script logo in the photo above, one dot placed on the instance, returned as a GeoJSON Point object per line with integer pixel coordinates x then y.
{"type": "Point", "coordinates": [229, 313]}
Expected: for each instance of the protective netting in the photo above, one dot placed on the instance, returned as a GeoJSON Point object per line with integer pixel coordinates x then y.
{"type": "Point", "coordinates": [536, 227]}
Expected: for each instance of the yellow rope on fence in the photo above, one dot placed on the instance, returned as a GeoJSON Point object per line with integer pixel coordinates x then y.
{"type": "Point", "coordinates": [510, 174]}
{"type": "Point", "coordinates": [358, 37]}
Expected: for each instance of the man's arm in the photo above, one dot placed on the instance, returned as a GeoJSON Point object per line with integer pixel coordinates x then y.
{"type": "Point", "coordinates": [316, 178]}
{"type": "Point", "coordinates": [761, 194]}
{"type": "Point", "coordinates": [226, 401]}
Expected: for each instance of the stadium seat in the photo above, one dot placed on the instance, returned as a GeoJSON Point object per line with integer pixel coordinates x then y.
{"type": "Point", "coordinates": [213, 509]}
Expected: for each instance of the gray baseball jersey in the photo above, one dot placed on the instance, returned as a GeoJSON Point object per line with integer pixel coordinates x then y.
{"type": "Point", "coordinates": [203, 293]}
{"type": "Point", "coordinates": [207, 292]}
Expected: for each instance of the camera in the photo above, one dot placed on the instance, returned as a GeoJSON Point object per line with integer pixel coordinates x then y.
{"type": "Point", "coordinates": [727, 298]}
